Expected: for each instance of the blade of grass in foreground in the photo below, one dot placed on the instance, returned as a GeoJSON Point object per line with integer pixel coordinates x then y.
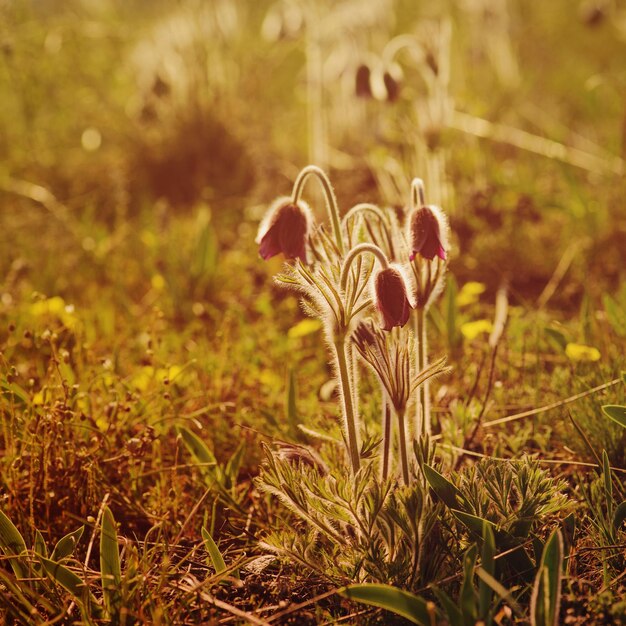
{"type": "Point", "coordinates": [400, 602]}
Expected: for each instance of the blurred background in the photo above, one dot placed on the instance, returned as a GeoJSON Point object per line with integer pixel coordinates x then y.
{"type": "Point", "coordinates": [142, 138]}
{"type": "Point", "coordinates": [140, 144]}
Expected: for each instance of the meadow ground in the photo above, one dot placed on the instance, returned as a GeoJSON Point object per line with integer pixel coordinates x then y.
{"type": "Point", "coordinates": [150, 365]}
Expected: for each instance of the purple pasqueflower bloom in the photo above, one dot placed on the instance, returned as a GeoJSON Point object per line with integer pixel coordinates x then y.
{"type": "Point", "coordinates": [428, 233]}
{"type": "Point", "coordinates": [285, 228]}
{"type": "Point", "coordinates": [390, 296]}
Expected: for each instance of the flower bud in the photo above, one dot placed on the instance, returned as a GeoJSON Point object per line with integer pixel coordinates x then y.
{"type": "Point", "coordinates": [285, 228]}
{"type": "Point", "coordinates": [390, 295]}
{"type": "Point", "coordinates": [428, 232]}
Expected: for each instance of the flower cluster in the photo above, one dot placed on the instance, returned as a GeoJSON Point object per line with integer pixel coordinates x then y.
{"type": "Point", "coordinates": [371, 261]}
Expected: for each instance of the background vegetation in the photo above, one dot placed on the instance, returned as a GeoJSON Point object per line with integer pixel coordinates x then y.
{"type": "Point", "coordinates": [140, 143]}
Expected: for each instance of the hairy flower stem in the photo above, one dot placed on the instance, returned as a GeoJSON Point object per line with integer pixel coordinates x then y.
{"type": "Point", "coordinates": [421, 360]}
{"type": "Point", "coordinates": [347, 397]}
{"type": "Point", "coordinates": [404, 458]}
{"type": "Point", "coordinates": [418, 193]}
{"type": "Point", "coordinates": [354, 253]}
{"type": "Point", "coordinates": [386, 415]}
{"type": "Point", "coordinates": [329, 195]}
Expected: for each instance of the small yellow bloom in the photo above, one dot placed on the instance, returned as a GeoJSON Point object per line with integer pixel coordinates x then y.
{"type": "Point", "coordinates": [469, 293]}
{"type": "Point", "coordinates": [55, 307]}
{"type": "Point", "coordinates": [471, 330]}
{"type": "Point", "coordinates": [158, 282]}
{"type": "Point", "coordinates": [305, 327]}
{"type": "Point", "coordinates": [579, 352]}
{"type": "Point", "coordinates": [148, 238]}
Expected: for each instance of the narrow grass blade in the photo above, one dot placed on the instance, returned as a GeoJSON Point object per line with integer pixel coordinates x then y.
{"type": "Point", "coordinates": [231, 471]}
{"type": "Point", "coordinates": [606, 476]}
{"type": "Point", "coordinates": [214, 553]}
{"type": "Point", "coordinates": [488, 563]}
{"type": "Point", "coordinates": [400, 602]}
{"type": "Point", "coordinates": [40, 545]}
{"type": "Point", "coordinates": [201, 453]}
{"type": "Point", "coordinates": [546, 595]}
{"type": "Point", "coordinates": [619, 516]}
{"type": "Point", "coordinates": [110, 568]}
{"type": "Point", "coordinates": [472, 522]}
{"type": "Point", "coordinates": [72, 583]}
{"type": "Point", "coordinates": [12, 543]}
{"type": "Point", "coordinates": [452, 612]}
{"type": "Point", "coordinates": [15, 390]}
{"type": "Point", "coordinates": [499, 589]}
{"type": "Point", "coordinates": [468, 598]}
{"type": "Point", "coordinates": [65, 546]}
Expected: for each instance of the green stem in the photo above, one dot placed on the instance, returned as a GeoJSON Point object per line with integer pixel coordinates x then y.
{"type": "Point", "coordinates": [354, 253]}
{"type": "Point", "coordinates": [386, 414]}
{"type": "Point", "coordinates": [364, 207]}
{"type": "Point", "coordinates": [348, 404]}
{"type": "Point", "coordinates": [423, 408]}
{"type": "Point", "coordinates": [418, 193]}
{"type": "Point", "coordinates": [329, 195]}
{"type": "Point", "coordinates": [404, 459]}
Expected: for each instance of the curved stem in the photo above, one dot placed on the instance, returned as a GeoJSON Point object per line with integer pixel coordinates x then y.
{"type": "Point", "coordinates": [329, 194]}
{"type": "Point", "coordinates": [364, 207]}
{"type": "Point", "coordinates": [398, 43]}
{"type": "Point", "coordinates": [348, 404]}
{"type": "Point", "coordinates": [418, 193]}
{"type": "Point", "coordinates": [354, 253]}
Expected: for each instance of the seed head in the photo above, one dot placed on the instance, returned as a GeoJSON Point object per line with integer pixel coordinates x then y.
{"type": "Point", "coordinates": [285, 228]}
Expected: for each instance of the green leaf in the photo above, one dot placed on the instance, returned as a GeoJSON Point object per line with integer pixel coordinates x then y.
{"type": "Point", "coordinates": [498, 588]}
{"type": "Point", "coordinates": [546, 595]}
{"type": "Point", "coordinates": [15, 390]}
{"type": "Point", "coordinates": [400, 602]}
{"type": "Point", "coordinates": [615, 412]}
{"type": "Point", "coordinates": [606, 475]}
{"type": "Point", "coordinates": [40, 545]}
{"type": "Point", "coordinates": [488, 563]}
{"type": "Point", "coordinates": [13, 545]}
{"type": "Point", "coordinates": [65, 546]}
{"type": "Point", "coordinates": [231, 471]}
{"type": "Point", "coordinates": [444, 489]}
{"type": "Point", "coordinates": [468, 598]}
{"type": "Point", "coordinates": [619, 516]}
{"type": "Point", "coordinates": [110, 568]}
{"type": "Point", "coordinates": [199, 450]}
{"type": "Point", "coordinates": [72, 583]}
{"type": "Point", "coordinates": [472, 522]}
{"type": "Point", "coordinates": [557, 337]}
{"type": "Point", "coordinates": [615, 315]}
{"type": "Point", "coordinates": [452, 612]}
{"type": "Point", "coordinates": [214, 553]}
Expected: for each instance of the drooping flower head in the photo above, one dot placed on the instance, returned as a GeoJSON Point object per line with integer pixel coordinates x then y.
{"type": "Point", "coordinates": [285, 228]}
{"type": "Point", "coordinates": [362, 85]}
{"type": "Point", "coordinates": [390, 296]}
{"type": "Point", "coordinates": [428, 233]}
